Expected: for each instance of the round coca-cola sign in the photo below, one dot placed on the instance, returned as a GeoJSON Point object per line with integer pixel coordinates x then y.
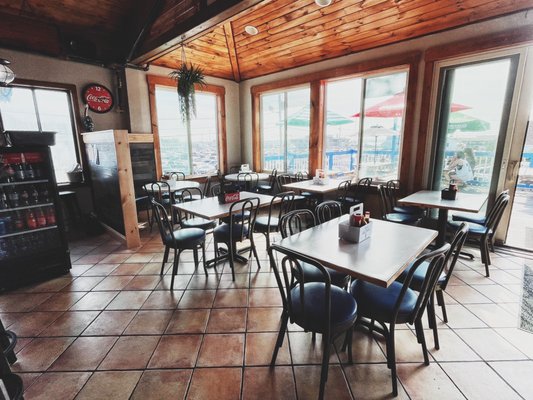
{"type": "Point", "coordinates": [98, 98]}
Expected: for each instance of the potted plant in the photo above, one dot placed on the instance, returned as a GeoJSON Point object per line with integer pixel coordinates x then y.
{"type": "Point", "coordinates": [187, 76]}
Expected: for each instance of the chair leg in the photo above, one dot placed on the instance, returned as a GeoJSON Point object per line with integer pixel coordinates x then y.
{"type": "Point", "coordinates": [281, 336]}
{"type": "Point", "coordinates": [325, 365]}
{"type": "Point", "coordinates": [485, 258]}
{"type": "Point", "coordinates": [252, 243]}
{"type": "Point", "coordinates": [165, 259]}
{"type": "Point", "coordinates": [391, 359]}
{"type": "Point", "coordinates": [175, 267]}
{"type": "Point", "coordinates": [431, 315]}
{"type": "Point", "coordinates": [203, 258]}
{"type": "Point", "coordinates": [350, 339]}
{"type": "Point", "coordinates": [195, 255]}
{"type": "Point", "coordinates": [442, 304]}
{"type": "Point", "coordinates": [232, 247]}
{"type": "Point", "coordinates": [267, 236]}
{"type": "Point", "coordinates": [420, 329]}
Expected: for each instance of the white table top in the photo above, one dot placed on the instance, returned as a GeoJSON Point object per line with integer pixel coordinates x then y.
{"type": "Point", "coordinates": [261, 176]}
{"type": "Point", "coordinates": [174, 185]}
{"type": "Point", "coordinates": [379, 259]}
{"type": "Point", "coordinates": [309, 186]}
{"type": "Point", "coordinates": [210, 208]}
{"type": "Point", "coordinates": [431, 199]}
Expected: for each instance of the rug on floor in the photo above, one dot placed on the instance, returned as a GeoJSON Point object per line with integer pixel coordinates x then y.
{"type": "Point", "coordinates": [526, 312]}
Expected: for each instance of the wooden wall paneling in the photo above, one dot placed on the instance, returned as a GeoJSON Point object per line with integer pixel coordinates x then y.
{"type": "Point", "coordinates": [232, 52]}
{"type": "Point", "coordinates": [256, 132]}
{"type": "Point", "coordinates": [152, 81]}
{"type": "Point", "coordinates": [509, 38]}
{"type": "Point", "coordinates": [316, 124]}
{"type": "Point", "coordinates": [222, 139]}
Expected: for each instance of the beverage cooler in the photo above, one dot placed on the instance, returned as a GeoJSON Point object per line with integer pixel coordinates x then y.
{"type": "Point", "coordinates": [33, 245]}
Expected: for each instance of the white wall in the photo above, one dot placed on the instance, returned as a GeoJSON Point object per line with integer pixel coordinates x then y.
{"type": "Point", "coordinates": [516, 20]}
{"type": "Point", "coordinates": [139, 106]}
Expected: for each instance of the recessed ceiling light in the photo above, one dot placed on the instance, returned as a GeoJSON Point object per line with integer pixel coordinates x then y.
{"type": "Point", "coordinates": [323, 3]}
{"type": "Point", "coordinates": [251, 30]}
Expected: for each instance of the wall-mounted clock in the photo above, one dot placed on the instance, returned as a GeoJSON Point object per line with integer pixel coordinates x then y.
{"type": "Point", "coordinates": [98, 98]}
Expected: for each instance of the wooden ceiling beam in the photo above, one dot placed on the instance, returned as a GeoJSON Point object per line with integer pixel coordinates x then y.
{"type": "Point", "coordinates": [200, 23]}
{"type": "Point", "coordinates": [232, 52]}
{"type": "Point", "coordinates": [143, 15]}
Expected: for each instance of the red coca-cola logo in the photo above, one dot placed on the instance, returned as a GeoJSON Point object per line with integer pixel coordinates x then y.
{"type": "Point", "coordinates": [232, 197]}
{"type": "Point", "coordinates": [98, 98]}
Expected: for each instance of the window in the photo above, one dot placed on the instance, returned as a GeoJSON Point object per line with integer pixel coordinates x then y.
{"type": "Point", "coordinates": [285, 130]}
{"type": "Point", "coordinates": [37, 109]}
{"type": "Point", "coordinates": [365, 142]}
{"type": "Point", "coordinates": [195, 150]}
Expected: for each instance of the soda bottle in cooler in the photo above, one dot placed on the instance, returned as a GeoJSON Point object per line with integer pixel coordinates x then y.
{"type": "Point", "coordinates": [50, 216]}
{"type": "Point", "coordinates": [41, 219]}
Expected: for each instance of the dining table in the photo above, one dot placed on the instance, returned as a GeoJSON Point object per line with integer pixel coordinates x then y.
{"type": "Point", "coordinates": [318, 189]}
{"type": "Point", "coordinates": [465, 202]}
{"type": "Point", "coordinates": [380, 259]}
{"type": "Point", "coordinates": [210, 208]}
{"type": "Point", "coordinates": [261, 176]}
{"type": "Point", "coordinates": [173, 185]}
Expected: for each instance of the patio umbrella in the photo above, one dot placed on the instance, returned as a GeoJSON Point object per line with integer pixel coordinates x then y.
{"type": "Point", "coordinates": [465, 123]}
{"type": "Point", "coordinates": [378, 131]}
{"type": "Point", "coordinates": [302, 118]}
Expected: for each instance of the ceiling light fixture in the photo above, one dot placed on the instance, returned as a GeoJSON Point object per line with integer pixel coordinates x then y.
{"type": "Point", "coordinates": [6, 75]}
{"type": "Point", "coordinates": [323, 3]}
{"type": "Point", "coordinates": [251, 30]}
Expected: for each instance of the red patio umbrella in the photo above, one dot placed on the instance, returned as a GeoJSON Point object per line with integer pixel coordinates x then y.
{"type": "Point", "coordinates": [393, 107]}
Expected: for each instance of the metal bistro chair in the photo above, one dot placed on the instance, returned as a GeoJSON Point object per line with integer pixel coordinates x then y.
{"type": "Point", "coordinates": [284, 179]}
{"type": "Point", "coordinates": [178, 240]}
{"type": "Point", "coordinates": [393, 188]}
{"type": "Point", "coordinates": [295, 222]}
{"type": "Point", "coordinates": [216, 189]}
{"type": "Point", "coordinates": [270, 223]}
{"type": "Point", "coordinates": [160, 192]}
{"type": "Point", "coordinates": [387, 212]}
{"type": "Point", "coordinates": [243, 214]}
{"type": "Point", "coordinates": [177, 176]}
{"type": "Point", "coordinates": [187, 221]}
{"type": "Point", "coordinates": [399, 304]}
{"type": "Point", "coordinates": [247, 181]}
{"type": "Point", "coordinates": [328, 210]}
{"type": "Point", "coordinates": [317, 307]}
{"type": "Point", "coordinates": [449, 264]}
{"type": "Point", "coordinates": [190, 194]}
{"type": "Point", "coordinates": [483, 232]}
{"type": "Point", "coordinates": [351, 195]}
{"type": "Point", "coordinates": [270, 187]}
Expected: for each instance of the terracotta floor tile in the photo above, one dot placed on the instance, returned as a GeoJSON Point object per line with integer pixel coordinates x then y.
{"type": "Point", "coordinates": [22, 302]}
{"type": "Point", "coordinates": [83, 284]}
{"type": "Point", "coordinates": [110, 323]}
{"type": "Point", "coordinates": [28, 378]}
{"type": "Point", "coordinates": [163, 300]}
{"type": "Point", "coordinates": [228, 384]}
{"type": "Point", "coordinates": [79, 269]}
{"type": "Point", "coordinates": [71, 323]}
{"type": "Point", "coordinates": [227, 320]}
{"type": "Point", "coordinates": [265, 298]}
{"type": "Point", "coordinates": [180, 282]}
{"type": "Point", "coordinates": [84, 354]}
{"type": "Point", "coordinates": [90, 259]}
{"type": "Point", "coordinates": [162, 384]}
{"type": "Point", "coordinates": [494, 315]}
{"type": "Point", "coordinates": [130, 352]}
{"type": "Point", "coordinates": [115, 258]}
{"type": "Point", "coordinates": [222, 350]}
{"type": "Point", "coordinates": [188, 321]}
{"type": "Point", "coordinates": [129, 300]}
{"type": "Point", "coordinates": [259, 349]}
{"type": "Point", "coordinates": [116, 385]}
{"type": "Point", "coordinates": [33, 323]}
{"type": "Point", "coordinates": [94, 301]}
{"type": "Point", "coordinates": [407, 347]}
{"type": "Point", "coordinates": [373, 381]}
{"type": "Point", "coordinates": [204, 282]}
{"type": "Point", "coordinates": [140, 258]}
{"type": "Point", "coordinates": [519, 338]}
{"type": "Point", "coordinates": [127, 269]}
{"type": "Point", "coordinates": [268, 383]}
{"type": "Point", "coordinates": [150, 269]}
{"type": "Point", "coordinates": [52, 285]}
{"type": "Point", "coordinates": [489, 345]}
{"type": "Point", "coordinates": [518, 374]}
{"type": "Point", "coordinates": [143, 282]}
{"type": "Point", "coordinates": [460, 317]}
{"type": "Point", "coordinates": [197, 299]}
{"type": "Point", "coordinates": [427, 382]}
{"type": "Point", "coordinates": [242, 281]}
{"type": "Point", "coordinates": [452, 347]}
{"type": "Point", "coordinates": [364, 349]}
{"type": "Point", "coordinates": [497, 293]}
{"type": "Point", "coordinates": [40, 354]}
{"type": "Point", "coordinates": [231, 298]}
{"type": "Point", "coordinates": [149, 323]}
{"type": "Point", "coordinates": [176, 351]}
{"type": "Point", "coordinates": [113, 283]}
{"type": "Point", "coordinates": [60, 301]}
{"type": "Point", "coordinates": [304, 351]}
{"type": "Point", "coordinates": [264, 319]}
{"type": "Point", "coordinates": [101, 270]}
{"type": "Point", "coordinates": [478, 381]}
{"type": "Point", "coordinates": [263, 280]}
{"type": "Point", "coordinates": [308, 383]}
{"type": "Point", "coordinates": [57, 385]}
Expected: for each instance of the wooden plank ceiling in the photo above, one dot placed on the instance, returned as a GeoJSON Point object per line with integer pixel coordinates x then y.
{"type": "Point", "coordinates": [296, 33]}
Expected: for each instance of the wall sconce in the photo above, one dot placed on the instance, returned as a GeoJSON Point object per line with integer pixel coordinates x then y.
{"type": "Point", "coordinates": [6, 75]}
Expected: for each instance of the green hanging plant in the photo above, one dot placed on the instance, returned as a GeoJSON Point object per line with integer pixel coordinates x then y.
{"type": "Point", "coordinates": [187, 76]}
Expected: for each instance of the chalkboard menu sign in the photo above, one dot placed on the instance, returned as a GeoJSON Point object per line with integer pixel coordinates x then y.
{"type": "Point", "coordinates": [143, 165]}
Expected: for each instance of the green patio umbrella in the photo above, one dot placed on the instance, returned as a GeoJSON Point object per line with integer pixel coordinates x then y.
{"type": "Point", "coordinates": [459, 121]}
{"type": "Point", "coordinates": [302, 118]}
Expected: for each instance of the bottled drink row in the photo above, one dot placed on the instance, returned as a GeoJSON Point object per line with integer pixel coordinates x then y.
{"type": "Point", "coordinates": [20, 167]}
{"type": "Point", "coordinates": [32, 218]}
{"type": "Point", "coordinates": [26, 244]}
{"type": "Point", "coordinates": [24, 195]}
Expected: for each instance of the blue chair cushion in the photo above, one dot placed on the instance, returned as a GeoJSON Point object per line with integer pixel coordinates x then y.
{"type": "Point", "coordinates": [343, 307]}
{"type": "Point", "coordinates": [350, 200]}
{"type": "Point", "coordinates": [299, 197]}
{"type": "Point", "coordinates": [468, 217]}
{"type": "Point", "coordinates": [378, 303]}
{"type": "Point", "coordinates": [188, 238]}
{"type": "Point", "coordinates": [261, 224]}
{"type": "Point", "coordinates": [197, 222]}
{"type": "Point", "coordinates": [221, 233]}
{"type": "Point", "coordinates": [408, 210]}
{"type": "Point", "coordinates": [473, 228]}
{"type": "Point", "coordinates": [265, 188]}
{"type": "Point", "coordinates": [402, 218]}
{"type": "Point", "coordinates": [419, 276]}
{"type": "Point", "coordinates": [237, 217]}
{"type": "Point", "coordinates": [313, 274]}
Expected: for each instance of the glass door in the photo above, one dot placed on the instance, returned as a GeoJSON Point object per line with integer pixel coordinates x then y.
{"type": "Point", "coordinates": [473, 113]}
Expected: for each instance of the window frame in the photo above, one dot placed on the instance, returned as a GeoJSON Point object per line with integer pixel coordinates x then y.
{"type": "Point", "coordinates": [219, 91]}
{"type": "Point", "coordinates": [402, 62]}
{"type": "Point", "coordinates": [75, 119]}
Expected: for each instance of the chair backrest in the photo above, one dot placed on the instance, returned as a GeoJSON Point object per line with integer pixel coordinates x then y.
{"type": "Point", "coordinates": [273, 180]}
{"type": "Point", "coordinates": [283, 179]}
{"type": "Point", "coordinates": [207, 186]}
{"type": "Point", "coordinates": [163, 222]}
{"type": "Point", "coordinates": [436, 260]}
{"type": "Point", "coordinates": [384, 203]}
{"type": "Point", "coordinates": [216, 189]}
{"type": "Point", "coordinates": [495, 214]}
{"type": "Point", "coordinates": [393, 187]}
{"type": "Point", "coordinates": [249, 180]}
{"type": "Point", "coordinates": [296, 221]}
{"type": "Point", "coordinates": [452, 255]}
{"type": "Point", "coordinates": [234, 169]}
{"type": "Point", "coordinates": [177, 176]}
{"type": "Point", "coordinates": [282, 202]}
{"type": "Point", "coordinates": [301, 176]}
{"type": "Point", "coordinates": [188, 193]}
{"type": "Point", "coordinates": [243, 214]}
{"type": "Point", "coordinates": [291, 265]}
{"type": "Point", "coordinates": [343, 189]}
{"type": "Point", "coordinates": [328, 210]}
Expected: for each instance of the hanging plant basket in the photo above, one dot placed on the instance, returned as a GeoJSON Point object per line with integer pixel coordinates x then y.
{"type": "Point", "coordinates": [187, 76]}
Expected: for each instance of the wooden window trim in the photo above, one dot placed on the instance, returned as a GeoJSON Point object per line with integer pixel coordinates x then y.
{"type": "Point", "coordinates": [408, 61]}
{"type": "Point", "coordinates": [480, 44]}
{"type": "Point", "coordinates": [220, 93]}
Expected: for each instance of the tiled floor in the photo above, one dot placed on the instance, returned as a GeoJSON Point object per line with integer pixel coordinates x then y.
{"type": "Point", "coordinates": [111, 329]}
